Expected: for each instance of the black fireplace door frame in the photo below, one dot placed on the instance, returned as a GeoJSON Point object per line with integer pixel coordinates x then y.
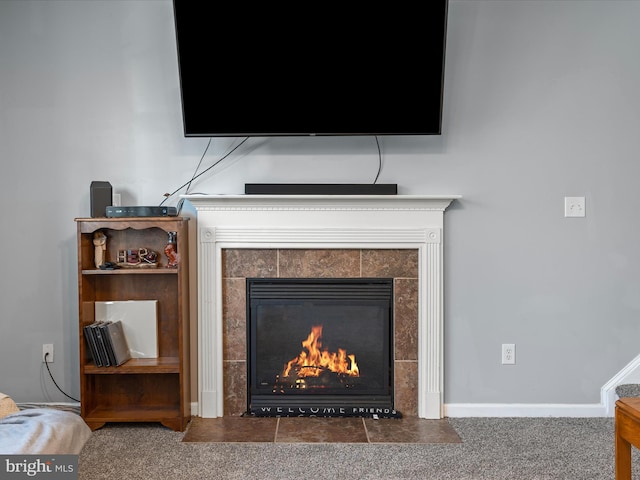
{"type": "Point", "coordinates": [321, 295]}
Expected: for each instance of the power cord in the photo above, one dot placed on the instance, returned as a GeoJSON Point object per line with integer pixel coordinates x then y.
{"type": "Point", "coordinates": [53, 380]}
{"type": "Point", "coordinates": [379, 160]}
{"type": "Point", "coordinates": [188, 184]}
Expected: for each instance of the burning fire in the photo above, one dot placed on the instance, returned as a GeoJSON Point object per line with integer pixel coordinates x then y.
{"type": "Point", "coordinates": [312, 361]}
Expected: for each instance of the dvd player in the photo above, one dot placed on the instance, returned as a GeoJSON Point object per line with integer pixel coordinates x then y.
{"type": "Point", "coordinates": [118, 212]}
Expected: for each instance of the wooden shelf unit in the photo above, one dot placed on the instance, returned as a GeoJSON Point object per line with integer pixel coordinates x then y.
{"type": "Point", "coordinates": [142, 389]}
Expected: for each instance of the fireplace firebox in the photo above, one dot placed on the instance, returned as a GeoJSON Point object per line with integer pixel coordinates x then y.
{"type": "Point", "coordinates": [320, 347]}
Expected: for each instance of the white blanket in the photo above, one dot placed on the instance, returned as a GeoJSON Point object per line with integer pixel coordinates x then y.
{"type": "Point", "coordinates": [42, 431]}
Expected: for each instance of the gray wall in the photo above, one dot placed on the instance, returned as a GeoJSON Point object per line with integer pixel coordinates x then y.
{"type": "Point", "coordinates": [541, 102]}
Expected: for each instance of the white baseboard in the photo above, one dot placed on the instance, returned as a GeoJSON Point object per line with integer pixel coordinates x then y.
{"type": "Point", "coordinates": [524, 410]}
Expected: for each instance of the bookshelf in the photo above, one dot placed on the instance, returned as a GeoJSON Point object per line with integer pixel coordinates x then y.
{"type": "Point", "coordinates": [142, 389]}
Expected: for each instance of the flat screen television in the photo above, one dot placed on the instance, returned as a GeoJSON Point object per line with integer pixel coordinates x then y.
{"type": "Point", "coordinates": [297, 69]}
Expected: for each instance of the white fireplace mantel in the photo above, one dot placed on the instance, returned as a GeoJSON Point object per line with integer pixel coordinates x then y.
{"type": "Point", "coordinates": [319, 221]}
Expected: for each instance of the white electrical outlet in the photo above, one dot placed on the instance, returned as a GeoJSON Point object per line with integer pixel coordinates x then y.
{"type": "Point", "coordinates": [574, 207]}
{"type": "Point", "coordinates": [47, 348]}
{"type": "Point", "coordinates": [508, 353]}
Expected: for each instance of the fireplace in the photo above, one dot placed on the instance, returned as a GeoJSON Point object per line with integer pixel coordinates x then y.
{"type": "Point", "coordinates": [326, 223]}
{"type": "Point", "coordinates": [320, 347]}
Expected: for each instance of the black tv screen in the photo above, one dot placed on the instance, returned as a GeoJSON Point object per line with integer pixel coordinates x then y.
{"type": "Point", "coordinates": [310, 69]}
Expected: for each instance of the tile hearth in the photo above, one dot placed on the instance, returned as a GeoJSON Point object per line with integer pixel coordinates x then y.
{"type": "Point", "coordinates": [319, 430]}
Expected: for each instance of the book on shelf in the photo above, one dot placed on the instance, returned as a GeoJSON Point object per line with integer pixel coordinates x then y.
{"type": "Point", "coordinates": [91, 343]}
{"type": "Point", "coordinates": [107, 343]}
{"type": "Point", "coordinates": [102, 348]}
{"type": "Point", "coordinates": [117, 343]}
{"type": "Point", "coordinates": [94, 344]}
{"type": "Point", "coordinates": [107, 348]}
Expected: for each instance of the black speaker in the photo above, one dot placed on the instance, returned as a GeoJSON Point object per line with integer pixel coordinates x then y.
{"type": "Point", "coordinates": [101, 198]}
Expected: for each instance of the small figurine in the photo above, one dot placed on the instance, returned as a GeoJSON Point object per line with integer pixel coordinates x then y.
{"type": "Point", "coordinates": [171, 251]}
{"type": "Point", "coordinates": [100, 248]}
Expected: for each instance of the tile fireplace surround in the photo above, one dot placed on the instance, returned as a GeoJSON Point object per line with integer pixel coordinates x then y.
{"type": "Point", "coordinates": [307, 235]}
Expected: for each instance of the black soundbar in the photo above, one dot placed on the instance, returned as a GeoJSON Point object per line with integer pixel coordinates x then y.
{"type": "Point", "coordinates": [117, 212]}
{"type": "Point", "coordinates": [321, 188]}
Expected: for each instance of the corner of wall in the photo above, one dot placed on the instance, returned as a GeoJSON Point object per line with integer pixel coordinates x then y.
{"type": "Point", "coordinates": [629, 374]}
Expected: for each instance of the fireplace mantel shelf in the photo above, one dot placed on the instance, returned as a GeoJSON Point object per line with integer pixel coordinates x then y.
{"type": "Point", "coordinates": [438, 202]}
{"type": "Point", "coordinates": [321, 222]}
{"type": "Point", "coordinates": [369, 197]}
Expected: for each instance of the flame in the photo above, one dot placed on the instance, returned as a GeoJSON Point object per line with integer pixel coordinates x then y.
{"type": "Point", "coordinates": [312, 361]}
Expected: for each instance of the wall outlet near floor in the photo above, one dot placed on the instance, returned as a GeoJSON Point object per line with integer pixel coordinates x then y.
{"type": "Point", "coordinates": [47, 348]}
{"type": "Point", "coordinates": [508, 353]}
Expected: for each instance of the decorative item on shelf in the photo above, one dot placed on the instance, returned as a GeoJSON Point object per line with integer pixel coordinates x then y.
{"type": "Point", "coordinates": [100, 248]}
{"type": "Point", "coordinates": [171, 250]}
{"type": "Point", "coordinates": [139, 321]}
{"type": "Point", "coordinates": [137, 258]}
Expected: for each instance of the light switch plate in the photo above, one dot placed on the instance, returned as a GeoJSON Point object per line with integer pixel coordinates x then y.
{"type": "Point", "coordinates": [574, 206]}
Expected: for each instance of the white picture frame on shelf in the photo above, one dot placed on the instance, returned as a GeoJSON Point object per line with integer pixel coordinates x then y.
{"type": "Point", "coordinates": [139, 321]}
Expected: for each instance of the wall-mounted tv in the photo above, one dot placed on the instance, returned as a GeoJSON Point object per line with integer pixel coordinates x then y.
{"type": "Point", "coordinates": [296, 69]}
